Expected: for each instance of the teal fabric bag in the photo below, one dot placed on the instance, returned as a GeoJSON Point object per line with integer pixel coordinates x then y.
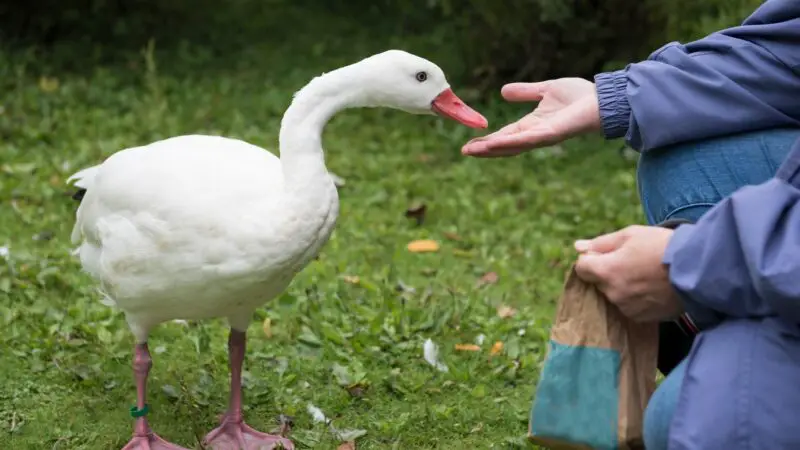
{"type": "Point", "coordinates": [598, 375]}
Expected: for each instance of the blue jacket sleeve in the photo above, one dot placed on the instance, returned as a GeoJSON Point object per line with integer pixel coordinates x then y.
{"type": "Point", "coordinates": [739, 79]}
{"type": "Point", "coordinates": [742, 258]}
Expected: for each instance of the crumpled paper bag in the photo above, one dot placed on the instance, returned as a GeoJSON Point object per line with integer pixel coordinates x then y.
{"type": "Point", "coordinates": [598, 376]}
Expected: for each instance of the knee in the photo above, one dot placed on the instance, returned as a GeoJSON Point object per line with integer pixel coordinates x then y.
{"type": "Point", "coordinates": [685, 180]}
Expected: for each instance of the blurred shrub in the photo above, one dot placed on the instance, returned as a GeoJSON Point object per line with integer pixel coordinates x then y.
{"type": "Point", "coordinates": [534, 39]}
{"type": "Point", "coordinates": [45, 21]}
{"type": "Point", "coordinates": [516, 40]}
{"type": "Point", "coordinates": [493, 41]}
{"type": "Point", "coordinates": [691, 19]}
{"type": "Point", "coordinates": [117, 21]}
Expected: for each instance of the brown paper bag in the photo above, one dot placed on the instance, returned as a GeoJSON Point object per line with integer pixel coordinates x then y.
{"type": "Point", "coordinates": [598, 376]}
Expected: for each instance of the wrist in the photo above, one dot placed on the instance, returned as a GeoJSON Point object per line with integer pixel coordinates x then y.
{"type": "Point", "coordinates": [595, 123]}
{"type": "Point", "coordinates": [614, 111]}
{"type": "Point", "coordinates": [584, 117]}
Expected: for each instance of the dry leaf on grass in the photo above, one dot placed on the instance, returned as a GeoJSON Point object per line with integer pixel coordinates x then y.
{"type": "Point", "coordinates": [505, 311]}
{"type": "Point", "coordinates": [423, 246]}
{"type": "Point", "coordinates": [417, 212]}
{"type": "Point", "coordinates": [451, 236]}
{"type": "Point", "coordinates": [468, 347]}
{"type": "Point", "coordinates": [349, 445]}
{"type": "Point", "coordinates": [352, 279]}
{"type": "Point", "coordinates": [463, 253]}
{"type": "Point", "coordinates": [487, 278]}
{"type": "Point", "coordinates": [285, 424]}
{"type": "Point", "coordinates": [496, 348]}
{"type": "Point", "coordinates": [267, 327]}
{"type": "Point", "coordinates": [356, 390]}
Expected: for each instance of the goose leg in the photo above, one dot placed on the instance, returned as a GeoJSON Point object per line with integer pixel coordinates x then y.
{"type": "Point", "coordinates": [143, 436]}
{"type": "Point", "coordinates": [233, 433]}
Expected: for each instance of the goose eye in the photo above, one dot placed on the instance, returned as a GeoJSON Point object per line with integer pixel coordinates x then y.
{"type": "Point", "coordinates": [421, 76]}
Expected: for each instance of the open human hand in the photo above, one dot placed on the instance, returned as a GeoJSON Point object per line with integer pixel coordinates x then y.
{"type": "Point", "coordinates": [626, 266]}
{"type": "Point", "coordinates": [567, 107]}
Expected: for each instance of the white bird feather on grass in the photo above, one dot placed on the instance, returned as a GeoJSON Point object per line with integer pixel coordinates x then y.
{"type": "Point", "coordinates": [431, 353]}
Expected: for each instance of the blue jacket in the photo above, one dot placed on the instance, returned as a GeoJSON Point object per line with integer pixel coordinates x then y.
{"type": "Point", "coordinates": [738, 267]}
{"type": "Point", "coordinates": [743, 78]}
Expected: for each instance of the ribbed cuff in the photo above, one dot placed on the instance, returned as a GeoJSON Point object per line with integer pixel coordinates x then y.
{"type": "Point", "coordinates": [615, 111]}
{"type": "Point", "coordinates": [702, 316]}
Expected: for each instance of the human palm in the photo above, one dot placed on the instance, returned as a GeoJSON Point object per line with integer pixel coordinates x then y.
{"type": "Point", "coordinates": [567, 107]}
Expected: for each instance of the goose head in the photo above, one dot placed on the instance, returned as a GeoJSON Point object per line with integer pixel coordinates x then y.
{"type": "Point", "coordinates": [399, 80]}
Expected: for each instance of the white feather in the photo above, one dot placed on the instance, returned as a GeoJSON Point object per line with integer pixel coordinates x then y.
{"type": "Point", "coordinates": [316, 414]}
{"type": "Point", "coordinates": [431, 354]}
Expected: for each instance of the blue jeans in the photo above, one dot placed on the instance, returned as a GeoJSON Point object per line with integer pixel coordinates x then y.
{"type": "Point", "coordinates": [683, 182]}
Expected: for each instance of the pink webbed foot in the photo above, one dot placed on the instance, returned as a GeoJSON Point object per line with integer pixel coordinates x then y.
{"type": "Point", "coordinates": [150, 442]}
{"type": "Point", "coordinates": [232, 435]}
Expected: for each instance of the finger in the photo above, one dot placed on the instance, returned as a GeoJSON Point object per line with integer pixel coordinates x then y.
{"type": "Point", "coordinates": [603, 244]}
{"type": "Point", "coordinates": [531, 138]}
{"type": "Point", "coordinates": [524, 92]}
{"type": "Point", "coordinates": [477, 147]}
{"type": "Point", "coordinates": [484, 150]}
{"type": "Point", "coordinates": [494, 153]}
{"type": "Point", "coordinates": [508, 129]}
{"type": "Point", "coordinates": [591, 268]}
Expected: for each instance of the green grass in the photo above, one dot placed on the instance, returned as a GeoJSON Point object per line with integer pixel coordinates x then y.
{"type": "Point", "coordinates": [65, 358]}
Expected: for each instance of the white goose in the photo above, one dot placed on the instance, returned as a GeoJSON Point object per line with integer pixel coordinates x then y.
{"type": "Point", "coordinates": [196, 227]}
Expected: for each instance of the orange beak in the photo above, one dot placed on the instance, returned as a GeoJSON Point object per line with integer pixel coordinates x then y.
{"type": "Point", "coordinates": [447, 104]}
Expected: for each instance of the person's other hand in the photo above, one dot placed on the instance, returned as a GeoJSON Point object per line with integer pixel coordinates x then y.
{"type": "Point", "coordinates": [626, 266]}
{"type": "Point", "coordinates": [567, 107]}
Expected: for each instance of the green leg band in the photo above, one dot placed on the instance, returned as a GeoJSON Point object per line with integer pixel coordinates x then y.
{"type": "Point", "coordinates": [136, 412]}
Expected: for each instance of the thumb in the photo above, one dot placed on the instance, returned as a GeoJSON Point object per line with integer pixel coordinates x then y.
{"type": "Point", "coordinates": [602, 244]}
{"type": "Point", "coordinates": [591, 267]}
{"type": "Point", "coordinates": [524, 92]}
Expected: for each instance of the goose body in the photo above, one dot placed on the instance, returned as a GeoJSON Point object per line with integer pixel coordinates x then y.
{"type": "Point", "coordinates": [196, 227]}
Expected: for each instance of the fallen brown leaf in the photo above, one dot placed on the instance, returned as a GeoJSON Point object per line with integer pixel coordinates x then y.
{"type": "Point", "coordinates": [487, 278]}
{"type": "Point", "coordinates": [463, 253]}
{"type": "Point", "coordinates": [267, 327]}
{"type": "Point", "coordinates": [423, 246]}
{"type": "Point", "coordinates": [417, 212]}
{"type": "Point", "coordinates": [357, 390]}
{"type": "Point", "coordinates": [468, 347]}
{"type": "Point", "coordinates": [496, 348]}
{"type": "Point", "coordinates": [285, 424]}
{"type": "Point", "coordinates": [428, 271]}
{"type": "Point", "coordinates": [504, 311]}
{"type": "Point", "coordinates": [451, 236]}
{"type": "Point", "coordinates": [352, 279]}
{"type": "Point", "coordinates": [349, 445]}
